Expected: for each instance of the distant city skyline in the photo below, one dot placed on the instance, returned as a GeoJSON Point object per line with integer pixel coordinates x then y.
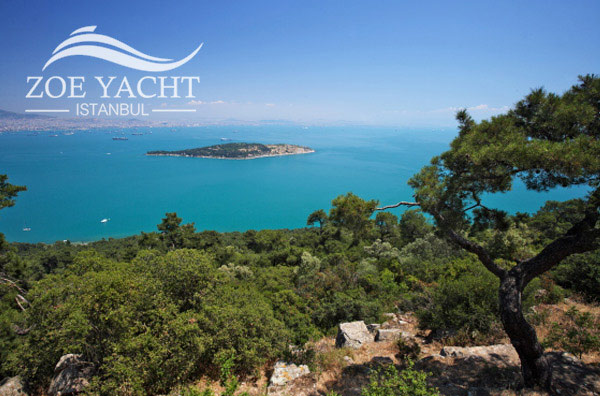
{"type": "Point", "coordinates": [377, 63]}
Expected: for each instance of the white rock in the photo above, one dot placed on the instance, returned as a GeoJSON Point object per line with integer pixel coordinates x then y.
{"type": "Point", "coordinates": [285, 372]}
{"type": "Point", "coordinates": [12, 387]}
{"type": "Point", "coordinates": [390, 334]}
{"type": "Point", "coordinates": [502, 352]}
{"type": "Point", "coordinates": [353, 335]}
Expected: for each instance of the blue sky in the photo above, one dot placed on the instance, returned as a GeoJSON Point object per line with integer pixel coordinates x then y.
{"type": "Point", "coordinates": [401, 63]}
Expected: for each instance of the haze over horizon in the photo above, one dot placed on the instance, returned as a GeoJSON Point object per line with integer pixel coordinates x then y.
{"type": "Point", "coordinates": [388, 63]}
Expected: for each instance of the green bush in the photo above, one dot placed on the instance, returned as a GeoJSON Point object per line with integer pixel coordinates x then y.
{"type": "Point", "coordinates": [152, 321]}
{"type": "Point", "coordinates": [227, 378]}
{"type": "Point", "coordinates": [542, 290]}
{"type": "Point", "coordinates": [193, 391]}
{"type": "Point", "coordinates": [580, 273]}
{"type": "Point", "coordinates": [579, 334]}
{"type": "Point", "coordinates": [390, 382]}
{"type": "Point", "coordinates": [468, 303]}
{"type": "Point", "coordinates": [146, 326]}
{"type": "Point", "coordinates": [408, 349]}
{"type": "Point", "coordinates": [240, 321]}
{"type": "Point", "coordinates": [119, 320]}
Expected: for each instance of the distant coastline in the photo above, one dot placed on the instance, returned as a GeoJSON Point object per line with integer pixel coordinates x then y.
{"type": "Point", "coordinates": [236, 151]}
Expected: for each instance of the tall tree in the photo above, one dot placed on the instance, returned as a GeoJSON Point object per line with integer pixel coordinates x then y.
{"type": "Point", "coordinates": [546, 141]}
{"type": "Point", "coordinates": [318, 216]}
{"type": "Point", "coordinates": [353, 213]}
{"type": "Point", "coordinates": [8, 192]}
{"type": "Point", "coordinates": [173, 233]}
{"type": "Point", "coordinates": [386, 222]}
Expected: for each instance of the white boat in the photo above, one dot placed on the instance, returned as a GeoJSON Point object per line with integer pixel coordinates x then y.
{"type": "Point", "coordinates": [27, 229]}
{"type": "Point", "coordinates": [104, 220]}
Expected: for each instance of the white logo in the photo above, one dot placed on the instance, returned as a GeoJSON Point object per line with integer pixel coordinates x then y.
{"type": "Point", "coordinates": [131, 57]}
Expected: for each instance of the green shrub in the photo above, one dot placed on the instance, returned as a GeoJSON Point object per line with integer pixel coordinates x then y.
{"type": "Point", "coordinates": [542, 290]}
{"type": "Point", "coordinates": [408, 349]}
{"type": "Point", "coordinates": [578, 335]}
{"type": "Point", "coordinates": [580, 273]}
{"type": "Point", "coordinates": [538, 316]}
{"type": "Point", "coordinates": [293, 311]}
{"type": "Point", "coordinates": [333, 359]}
{"type": "Point", "coordinates": [186, 275]}
{"type": "Point", "coordinates": [193, 391]}
{"type": "Point", "coordinates": [239, 321]}
{"type": "Point", "coordinates": [306, 355]}
{"type": "Point", "coordinates": [468, 303]}
{"type": "Point", "coordinates": [227, 378]}
{"type": "Point", "coordinates": [146, 327]}
{"type": "Point", "coordinates": [119, 320]}
{"type": "Point", "coordinates": [390, 382]}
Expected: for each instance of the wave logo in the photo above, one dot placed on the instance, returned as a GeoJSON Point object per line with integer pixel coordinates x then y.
{"type": "Point", "coordinates": [84, 42]}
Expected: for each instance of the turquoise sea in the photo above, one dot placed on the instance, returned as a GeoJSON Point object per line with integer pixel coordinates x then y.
{"type": "Point", "coordinates": [75, 181]}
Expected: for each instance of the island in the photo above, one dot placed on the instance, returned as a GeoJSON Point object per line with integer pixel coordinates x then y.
{"type": "Point", "coordinates": [237, 151]}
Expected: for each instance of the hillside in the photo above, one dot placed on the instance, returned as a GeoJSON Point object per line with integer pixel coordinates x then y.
{"type": "Point", "coordinates": [9, 115]}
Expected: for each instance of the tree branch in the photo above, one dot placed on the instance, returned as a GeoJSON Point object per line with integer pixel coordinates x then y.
{"type": "Point", "coordinates": [582, 237]}
{"type": "Point", "coordinates": [479, 251]}
{"type": "Point", "coordinates": [12, 283]}
{"type": "Point", "coordinates": [476, 204]}
{"type": "Point", "coordinates": [401, 203]}
{"type": "Point", "coordinates": [19, 299]}
{"type": "Point", "coordinates": [21, 331]}
{"type": "Point", "coordinates": [461, 241]}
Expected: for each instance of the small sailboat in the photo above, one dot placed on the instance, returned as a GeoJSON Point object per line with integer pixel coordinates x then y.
{"type": "Point", "coordinates": [26, 229]}
{"type": "Point", "coordinates": [104, 221]}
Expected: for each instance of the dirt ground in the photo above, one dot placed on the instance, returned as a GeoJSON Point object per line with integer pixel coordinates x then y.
{"type": "Point", "coordinates": [346, 371]}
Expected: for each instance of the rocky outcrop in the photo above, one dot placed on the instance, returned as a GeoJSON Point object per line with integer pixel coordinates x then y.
{"type": "Point", "coordinates": [393, 321]}
{"type": "Point", "coordinates": [390, 335]}
{"type": "Point", "coordinates": [501, 353]}
{"type": "Point", "coordinates": [290, 379]}
{"type": "Point", "coordinates": [302, 386]}
{"type": "Point", "coordinates": [285, 372]}
{"type": "Point", "coordinates": [382, 361]}
{"type": "Point", "coordinates": [71, 375]}
{"type": "Point", "coordinates": [12, 387]}
{"type": "Point", "coordinates": [573, 377]}
{"type": "Point", "coordinates": [353, 335]}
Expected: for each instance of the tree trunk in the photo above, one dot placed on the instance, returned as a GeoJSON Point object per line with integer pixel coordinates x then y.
{"type": "Point", "coordinates": [534, 365]}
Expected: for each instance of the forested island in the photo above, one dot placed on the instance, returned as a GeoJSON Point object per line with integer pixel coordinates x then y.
{"type": "Point", "coordinates": [237, 151]}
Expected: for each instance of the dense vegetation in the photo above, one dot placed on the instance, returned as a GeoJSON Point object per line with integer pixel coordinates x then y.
{"type": "Point", "coordinates": [161, 309]}
{"type": "Point", "coordinates": [230, 150]}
